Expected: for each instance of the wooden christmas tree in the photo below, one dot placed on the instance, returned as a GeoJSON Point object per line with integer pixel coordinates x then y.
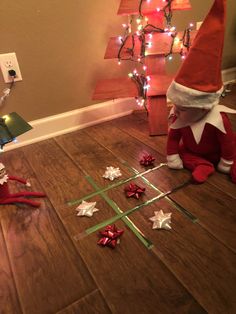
{"type": "Point", "coordinates": [149, 45]}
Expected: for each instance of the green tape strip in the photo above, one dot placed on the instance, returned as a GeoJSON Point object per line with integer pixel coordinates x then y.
{"type": "Point", "coordinates": [128, 212]}
{"type": "Point", "coordinates": [118, 183]}
{"type": "Point", "coordinates": [148, 244]}
{"type": "Point", "coordinates": [188, 214]}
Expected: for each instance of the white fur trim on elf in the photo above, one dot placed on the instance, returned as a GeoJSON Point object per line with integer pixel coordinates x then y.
{"type": "Point", "coordinates": [174, 161]}
{"type": "Point", "coordinates": [213, 117]}
{"type": "Point", "coordinates": [183, 96]}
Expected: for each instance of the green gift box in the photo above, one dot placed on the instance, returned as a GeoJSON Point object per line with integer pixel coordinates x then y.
{"type": "Point", "coordinates": [11, 126]}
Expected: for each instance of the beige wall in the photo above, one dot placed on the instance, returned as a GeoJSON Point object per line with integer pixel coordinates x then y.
{"type": "Point", "coordinates": [60, 47]}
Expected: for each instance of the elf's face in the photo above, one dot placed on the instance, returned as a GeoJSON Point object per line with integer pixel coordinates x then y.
{"type": "Point", "coordinates": [189, 115]}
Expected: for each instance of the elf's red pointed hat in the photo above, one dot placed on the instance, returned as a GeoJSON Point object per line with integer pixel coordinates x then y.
{"type": "Point", "coordinates": [198, 83]}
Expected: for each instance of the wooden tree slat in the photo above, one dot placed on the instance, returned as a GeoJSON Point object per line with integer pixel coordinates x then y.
{"type": "Point", "coordinates": [132, 6]}
{"type": "Point", "coordinates": [158, 115]}
{"type": "Point", "coordinates": [161, 44]}
{"type": "Point", "coordinates": [126, 87]}
{"type": "Point", "coordinates": [48, 271]}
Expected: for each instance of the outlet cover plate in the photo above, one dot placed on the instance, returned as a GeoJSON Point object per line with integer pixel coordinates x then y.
{"type": "Point", "coordinates": [8, 61]}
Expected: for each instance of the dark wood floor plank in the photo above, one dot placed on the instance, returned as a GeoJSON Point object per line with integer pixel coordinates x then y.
{"type": "Point", "coordinates": [92, 303]}
{"type": "Point", "coordinates": [131, 278]}
{"type": "Point", "coordinates": [136, 125]}
{"type": "Point", "coordinates": [104, 274]}
{"type": "Point", "coordinates": [192, 197]}
{"type": "Point", "coordinates": [214, 208]}
{"type": "Point", "coordinates": [60, 177]}
{"type": "Point", "coordinates": [8, 295]}
{"type": "Point", "coordinates": [211, 217]}
{"type": "Point", "coordinates": [95, 164]}
{"type": "Point", "coordinates": [90, 156]}
{"type": "Point", "coordinates": [48, 271]}
{"type": "Point", "coordinates": [195, 257]}
{"type": "Point", "coordinates": [110, 136]}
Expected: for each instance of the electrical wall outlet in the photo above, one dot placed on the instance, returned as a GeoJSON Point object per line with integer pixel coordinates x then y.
{"type": "Point", "coordinates": [8, 61]}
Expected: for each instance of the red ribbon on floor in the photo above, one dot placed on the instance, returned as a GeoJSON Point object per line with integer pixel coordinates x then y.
{"type": "Point", "coordinates": [110, 236]}
{"type": "Point", "coordinates": [133, 190]}
{"type": "Point", "coordinates": [147, 160]}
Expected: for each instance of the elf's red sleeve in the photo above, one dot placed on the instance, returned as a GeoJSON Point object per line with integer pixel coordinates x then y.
{"type": "Point", "coordinates": [174, 137]}
{"type": "Point", "coordinates": [17, 179]}
{"type": "Point", "coordinates": [227, 140]}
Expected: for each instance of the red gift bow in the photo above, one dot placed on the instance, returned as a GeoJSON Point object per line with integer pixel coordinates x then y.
{"type": "Point", "coordinates": [147, 160]}
{"type": "Point", "coordinates": [110, 236]}
{"type": "Point", "coordinates": [133, 190]}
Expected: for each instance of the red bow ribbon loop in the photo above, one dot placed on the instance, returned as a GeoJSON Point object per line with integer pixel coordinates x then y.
{"type": "Point", "coordinates": [110, 236]}
{"type": "Point", "coordinates": [133, 190]}
{"type": "Point", "coordinates": [147, 160]}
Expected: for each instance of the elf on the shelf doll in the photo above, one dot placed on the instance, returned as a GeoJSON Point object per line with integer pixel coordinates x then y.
{"type": "Point", "coordinates": [9, 198]}
{"type": "Point", "coordinates": [200, 137]}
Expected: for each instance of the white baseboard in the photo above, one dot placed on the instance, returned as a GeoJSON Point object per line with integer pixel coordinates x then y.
{"type": "Point", "coordinates": [74, 120]}
{"type": "Point", "coordinates": [81, 118]}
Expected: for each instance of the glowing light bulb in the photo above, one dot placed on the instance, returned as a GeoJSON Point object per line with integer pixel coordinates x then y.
{"type": "Point", "coordinates": [119, 63]}
{"type": "Point", "coordinates": [140, 27]}
{"type": "Point", "coordinates": [158, 9]}
{"type": "Point", "coordinates": [170, 58]}
{"type": "Point", "coordinates": [120, 38]}
{"type": "Point", "coordinates": [6, 117]}
{"type": "Point", "coordinates": [148, 78]}
{"type": "Point", "coordinates": [138, 21]}
{"type": "Point", "coordinates": [191, 25]}
{"type": "Point", "coordinates": [146, 18]}
{"type": "Point", "coordinates": [144, 67]}
{"type": "Point", "coordinates": [124, 25]}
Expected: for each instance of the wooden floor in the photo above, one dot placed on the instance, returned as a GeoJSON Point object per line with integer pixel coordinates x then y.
{"type": "Point", "coordinates": [190, 269]}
